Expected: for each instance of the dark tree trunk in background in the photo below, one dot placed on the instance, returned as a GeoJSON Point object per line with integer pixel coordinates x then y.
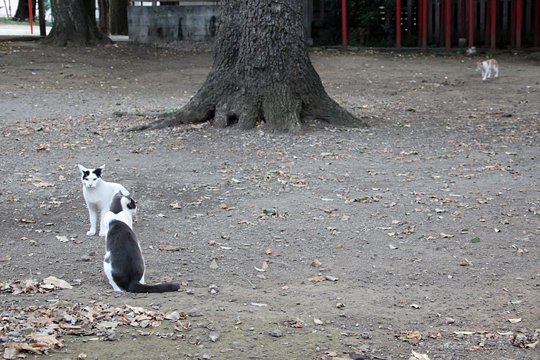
{"type": "Point", "coordinates": [261, 73]}
{"type": "Point", "coordinates": [119, 19]}
{"type": "Point", "coordinates": [75, 24]}
{"type": "Point", "coordinates": [22, 13]}
{"type": "Point", "coordinates": [104, 17]}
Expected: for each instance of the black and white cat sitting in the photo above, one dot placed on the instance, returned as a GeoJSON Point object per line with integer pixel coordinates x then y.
{"type": "Point", "coordinates": [123, 262]}
{"type": "Point", "coordinates": [98, 194]}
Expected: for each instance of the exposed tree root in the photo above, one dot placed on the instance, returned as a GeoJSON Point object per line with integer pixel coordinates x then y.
{"type": "Point", "coordinates": [279, 108]}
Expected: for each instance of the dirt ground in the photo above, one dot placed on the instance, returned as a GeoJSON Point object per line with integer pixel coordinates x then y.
{"type": "Point", "coordinates": [417, 237]}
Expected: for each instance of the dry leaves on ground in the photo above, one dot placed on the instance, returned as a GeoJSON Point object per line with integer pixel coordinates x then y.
{"type": "Point", "coordinates": [37, 329]}
{"type": "Point", "coordinates": [33, 286]}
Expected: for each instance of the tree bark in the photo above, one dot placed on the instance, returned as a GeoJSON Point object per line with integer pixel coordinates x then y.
{"type": "Point", "coordinates": [22, 13]}
{"type": "Point", "coordinates": [104, 17]}
{"type": "Point", "coordinates": [119, 18]}
{"type": "Point", "coordinates": [261, 73]}
{"type": "Point", "coordinates": [75, 24]}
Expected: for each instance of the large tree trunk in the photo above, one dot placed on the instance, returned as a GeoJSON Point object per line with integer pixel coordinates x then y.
{"type": "Point", "coordinates": [22, 13]}
{"type": "Point", "coordinates": [75, 24]}
{"type": "Point", "coordinates": [119, 18]}
{"type": "Point", "coordinates": [104, 17]}
{"type": "Point", "coordinates": [261, 73]}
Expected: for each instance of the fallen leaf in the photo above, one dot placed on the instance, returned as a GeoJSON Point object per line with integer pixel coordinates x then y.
{"type": "Point", "coordinates": [263, 268]}
{"type": "Point", "coordinates": [175, 205]}
{"type": "Point", "coordinates": [270, 212]}
{"type": "Point", "coordinates": [328, 211]}
{"type": "Point", "coordinates": [59, 283]}
{"type": "Point", "coordinates": [296, 324]}
{"type": "Point", "coordinates": [316, 263]}
{"type": "Point", "coordinates": [464, 332]}
{"type": "Point", "coordinates": [42, 183]}
{"type": "Point", "coordinates": [175, 316]}
{"type": "Point", "coordinates": [317, 278]}
{"type": "Point", "coordinates": [213, 336]}
{"type": "Point", "coordinates": [10, 353]}
{"type": "Point", "coordinates": [418, 356]}
{"type": "Point", "coordinates": [42, 147]}
{"type": "Point", "coordinates": [411, 336]}
{"type": "Point", "coordinates": [62, 238]}
{"type": "Point", "coordinates": [28, 221]}
{"type": "Point", "coordinates": [168, 248]}
{"type": "Point", "coordinates": [49, 341]}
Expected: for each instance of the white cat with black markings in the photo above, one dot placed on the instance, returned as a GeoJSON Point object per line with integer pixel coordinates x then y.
{"type": "Point", "coordinates": [98, 194]}
{"type": "Point", "coordinates": [123, 262]}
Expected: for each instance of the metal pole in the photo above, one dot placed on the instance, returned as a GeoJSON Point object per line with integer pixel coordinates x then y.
{"type": "Point", "coordinates": [519, 20]}
{"type": "Point", "coordinates": [420, 7]}
{"type": "Point", "coordinates": [471, 23]}
{"type": "Point", "coordinates": [398, 24]}
{"type": "Point", "coordinates": [344, 23]}
{"type": "Point", "coordinates": [424, 24]}
{"type": "Point", "coordinates": [463, 17]}
{"type": "Point", "coordinates": [448, 23]}
{"type": "Point", "coordinates": [493, 23]}
{"type": "Point", "coordinates": [30, 16]}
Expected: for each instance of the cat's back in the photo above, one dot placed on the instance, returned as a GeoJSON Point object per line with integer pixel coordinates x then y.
{"type": "Point", "coordinates": [120, 236]}
{"type": "Point", "coordinates": [113, 188]}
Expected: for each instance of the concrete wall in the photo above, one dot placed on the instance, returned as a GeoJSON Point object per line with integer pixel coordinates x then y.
{"type": "Point", "coordinates": [163, 24]}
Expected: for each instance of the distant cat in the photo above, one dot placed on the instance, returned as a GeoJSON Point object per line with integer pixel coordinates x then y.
{"type": "Point", "coordinates": [471, 51]}
{"type": "Point", "coordinates": [487, 66]}
{"type": "Point", "coordinates": [123, 262]}
{"type": "Point", "coordinates": [98, 195]}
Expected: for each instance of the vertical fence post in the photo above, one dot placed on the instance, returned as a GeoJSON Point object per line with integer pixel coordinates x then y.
{"type": "Point", "coordinates": [398, 24]}
{"type": "Point", "coordinates": [493, 25]}
{"type": "Point", "coordinates": [471, 23]}
{"type": "Point", "coordinates": [448, 23]}
{"type": "Point", "coordinates": [519, 20]}
{"type": "Point", "coordinates": [423, 11]}
{"type": "Point", "coordinates": [344, 23]}
{"type": "Point", "coordinates": [31, 16]}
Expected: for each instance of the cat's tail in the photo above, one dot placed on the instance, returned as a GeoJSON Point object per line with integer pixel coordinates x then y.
{"type": "Point", "coordinates": [137, 287]}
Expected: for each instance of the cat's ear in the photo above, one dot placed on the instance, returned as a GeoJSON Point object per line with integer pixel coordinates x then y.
{"type": "Point", "coordinates": [82, 169]}
{"type": "Point", "coordinates": [99, 170]}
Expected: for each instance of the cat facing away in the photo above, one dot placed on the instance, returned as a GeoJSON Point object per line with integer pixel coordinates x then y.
{"type": "Point", "coordinates": [123, 262]}
{"type": "Point", "coordinates": [98, 194]}
{"type": "Point", "coordinates": [487, 67]}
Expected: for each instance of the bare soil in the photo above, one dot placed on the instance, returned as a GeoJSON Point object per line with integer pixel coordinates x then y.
{"type": "Point", "coordinates": [419, 233]}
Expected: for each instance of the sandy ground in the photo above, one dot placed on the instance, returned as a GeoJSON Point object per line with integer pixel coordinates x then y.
{"type": "Point", "coordinates": [416, 237]}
